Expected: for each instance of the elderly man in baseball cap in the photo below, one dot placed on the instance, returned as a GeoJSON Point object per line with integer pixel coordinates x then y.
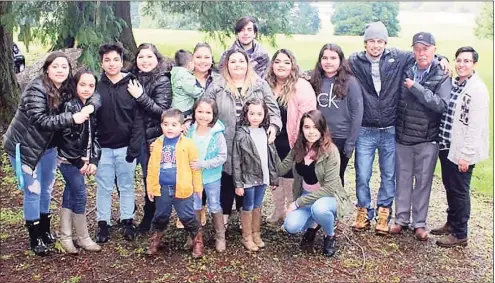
{"type": "Point", "coordinates": [423, 100]}
{"type": "Point", "coordinates": [380, 72]}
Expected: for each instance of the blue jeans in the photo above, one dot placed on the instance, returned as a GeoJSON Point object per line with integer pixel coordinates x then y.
{"type": "Point", "coordinates": [212, 191]}
{"type": "Point", "coordinates": [183, 207]}
{"type": "Point", "coordinates": [42, 180]}
{"type": "Point", "coordinates": [323, 212]}
{"type": "Point", "coordinates": [368, 141]}
{"type": "Point", "coordinates": [74, 197]}
{"type": "Point", "coordinates": [253, 197]}
{"type": "Point", "coordinates": [112, 163]}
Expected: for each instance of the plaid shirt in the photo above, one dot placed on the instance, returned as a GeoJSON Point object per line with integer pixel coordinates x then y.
{"type": "Point", "coordinates": [448, 117]}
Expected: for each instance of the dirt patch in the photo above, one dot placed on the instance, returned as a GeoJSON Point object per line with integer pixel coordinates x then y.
{"type": "Point", "coordinates": [362, 257]}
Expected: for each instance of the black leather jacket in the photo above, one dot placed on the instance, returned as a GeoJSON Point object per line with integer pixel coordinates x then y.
{"type": "Point", "coordinates": [246, 161]}
{"type": "Point", "coordinates": [157, 97]}
{"type": "Point", "coordinates": [79, 141]}
{"type": "Point", "coordinates": [35, 124]}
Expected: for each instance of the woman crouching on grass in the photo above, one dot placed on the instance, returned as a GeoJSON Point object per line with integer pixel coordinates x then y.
{"type": "Point", "coordinates": [320, 198]}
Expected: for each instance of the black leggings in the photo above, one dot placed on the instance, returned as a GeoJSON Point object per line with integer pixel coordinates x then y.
{"type": "Point", "coordinates": [227, 194]}
{"type": "Point", "coordinates": [340, 143]}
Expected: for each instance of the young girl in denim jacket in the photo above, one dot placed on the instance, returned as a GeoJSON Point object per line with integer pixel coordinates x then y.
{"type": "Point", "coordinates": [254, 167]}
{"type": "Point", "coordinates": [207, 133]}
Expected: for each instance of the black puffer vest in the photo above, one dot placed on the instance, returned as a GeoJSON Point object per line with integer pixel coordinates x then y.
{"type": "Point", "coordinates": [415, 122]}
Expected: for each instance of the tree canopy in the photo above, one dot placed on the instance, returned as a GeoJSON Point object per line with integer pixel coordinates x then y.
{"type": "Point", "coordinates": [349, 18]}
{"type": "Point", "coordinates": [484, 22]}
{"type": "Point", "coordinates": [298, 17]}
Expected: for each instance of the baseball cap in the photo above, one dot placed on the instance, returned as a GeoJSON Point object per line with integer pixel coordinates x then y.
{"type": "Point", "coordinates": [425, 38]}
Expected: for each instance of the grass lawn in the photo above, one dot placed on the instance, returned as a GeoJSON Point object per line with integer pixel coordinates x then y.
{"type": "Point", "coordinates": [450, 36]}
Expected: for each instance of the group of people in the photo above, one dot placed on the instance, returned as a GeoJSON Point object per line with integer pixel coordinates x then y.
{"type": "Point", "coordinates": [208, 135]}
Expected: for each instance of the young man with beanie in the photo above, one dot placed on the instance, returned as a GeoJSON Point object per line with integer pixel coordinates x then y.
{"type": "Point", "coordinates": [379, 71]}
{"type": "Point", "coordinates": [423, 99]}
{"type": "Point", "coordinates": [246, 31]}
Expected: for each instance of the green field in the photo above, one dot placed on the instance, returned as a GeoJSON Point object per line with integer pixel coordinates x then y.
{"type": "Point", "coordinates": [306, 48]}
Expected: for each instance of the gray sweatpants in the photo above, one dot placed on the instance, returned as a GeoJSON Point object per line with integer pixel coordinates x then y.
{"type": "Point", "coordinates": [414, 172]}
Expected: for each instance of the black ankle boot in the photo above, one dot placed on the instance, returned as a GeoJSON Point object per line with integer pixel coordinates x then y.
{"type": "Point", "coordinates": [329, 246]}
{"type": "Point", "coordinates": [46, 235]}
{"type": "Point", "coordinates": [308, 240]}
{"type": "Point", "coordinates": [103, 232]}
{"type": "Point", "coordinates": [129, 229]}
{"type": "Point", "coordinates": [35, 240]}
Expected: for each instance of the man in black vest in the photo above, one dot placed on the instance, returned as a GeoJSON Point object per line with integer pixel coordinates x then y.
{"type": "Point", "coordinates": [424, 98]}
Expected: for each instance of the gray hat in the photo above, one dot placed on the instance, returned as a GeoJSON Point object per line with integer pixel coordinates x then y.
{"type": "Point", "coordinates": [375, 30]}
{"type": "Point", "coordinates": [425, 38]}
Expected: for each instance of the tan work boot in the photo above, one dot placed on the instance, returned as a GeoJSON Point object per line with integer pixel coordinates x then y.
{"type": "Point", "coordinates": [197, 250]}
{"type": "Point", "coordinates": [382, 221]}
{"type": "Point", "coordinates": [220, 244]}
{"type": "Point", "coordinates": [256, 228]}
{"type": "Point", "coordinates": [203, 215]}
{"type": "Point", "coordinates": [155, 243]}
{"type": "Point", "coordinates": [247, 236]}
{"type": "Point", "coordinates": [83, 239]}
{"type": "Point", "coordinates": [279, 209]}
{"type": "Point", "coordinates": [444, 230]}
{"type": "Point", "coordinates": [66, 231]}
{"type": "Point", "coordinates": [361, 222]}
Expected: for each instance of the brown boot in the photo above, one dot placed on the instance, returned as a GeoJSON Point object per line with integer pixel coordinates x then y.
{"type": "Point", "coordinates": [219, 232]}
{"type": "Point", "coordinates": [362, 222]}
{"type": "Point", "coordinates": [382, 221]}
{"type": "Point", "coordinates": [155, 243]}
{"type": "Point", "coordinates": [247, 236]}
{"type": "Point", "coordinates": [444, 230]}
{"type": "Point", "coordinates": [198, 245]}
{"type": "Point", "coordinates": [397, 229]}
{"type": "Point", "coordinates": [279, 209]}
{"type": "Point", "coordinates": [451, 241]}
{"type": "Point", "coordinates": [421, 234]}
{"type": "Point", "coordinates": [189, 242]}
{"type": "Point", "coordinates": [256, 228]}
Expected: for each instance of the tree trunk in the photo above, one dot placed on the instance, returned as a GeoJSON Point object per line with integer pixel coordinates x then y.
{"type": "Point", "coordinates": [9, 89]}
{"type": "Point", "coordinates": [122, 9]}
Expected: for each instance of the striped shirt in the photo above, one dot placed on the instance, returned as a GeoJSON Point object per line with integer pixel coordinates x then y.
{"type": "Point", "coordinates": [238, 103]}
{"type": "Point", "coordinates": [448, 117]}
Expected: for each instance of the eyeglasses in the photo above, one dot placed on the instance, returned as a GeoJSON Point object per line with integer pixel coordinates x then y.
{"type": "Point", "coordinates": [465, 61]}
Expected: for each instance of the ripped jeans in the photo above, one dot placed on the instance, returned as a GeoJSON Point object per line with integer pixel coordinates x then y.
{"type": "Point", "coordinates": [38, 185]}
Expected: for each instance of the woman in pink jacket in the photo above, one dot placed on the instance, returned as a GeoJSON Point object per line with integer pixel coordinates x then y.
{"type": "Point", "coordinates": [295, 96]}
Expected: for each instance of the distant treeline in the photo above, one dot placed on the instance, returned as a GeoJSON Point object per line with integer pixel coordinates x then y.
{"type": "Point", "coordinates": [452, 7]}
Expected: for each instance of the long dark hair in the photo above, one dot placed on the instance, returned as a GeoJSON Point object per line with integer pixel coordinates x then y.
{"type": "Point", "coordinates": [322, 146]}
{"type": "Point", "coordinates": [206, 45]}
{"type": "Point", "coordinates": [214, 108]}
{"type": "Point", "coordinates": [341, 78]}
{"type": "Point", "coordinates": [245, 109]}
{"type": "Point", "coordinates": [164, 64]}
{"type": "Point", "coordinates": [56, 96]}
{"type": "Point", "coordinates": [289, 86]}
{"type": "Point", "coordinates": [77, 77]}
